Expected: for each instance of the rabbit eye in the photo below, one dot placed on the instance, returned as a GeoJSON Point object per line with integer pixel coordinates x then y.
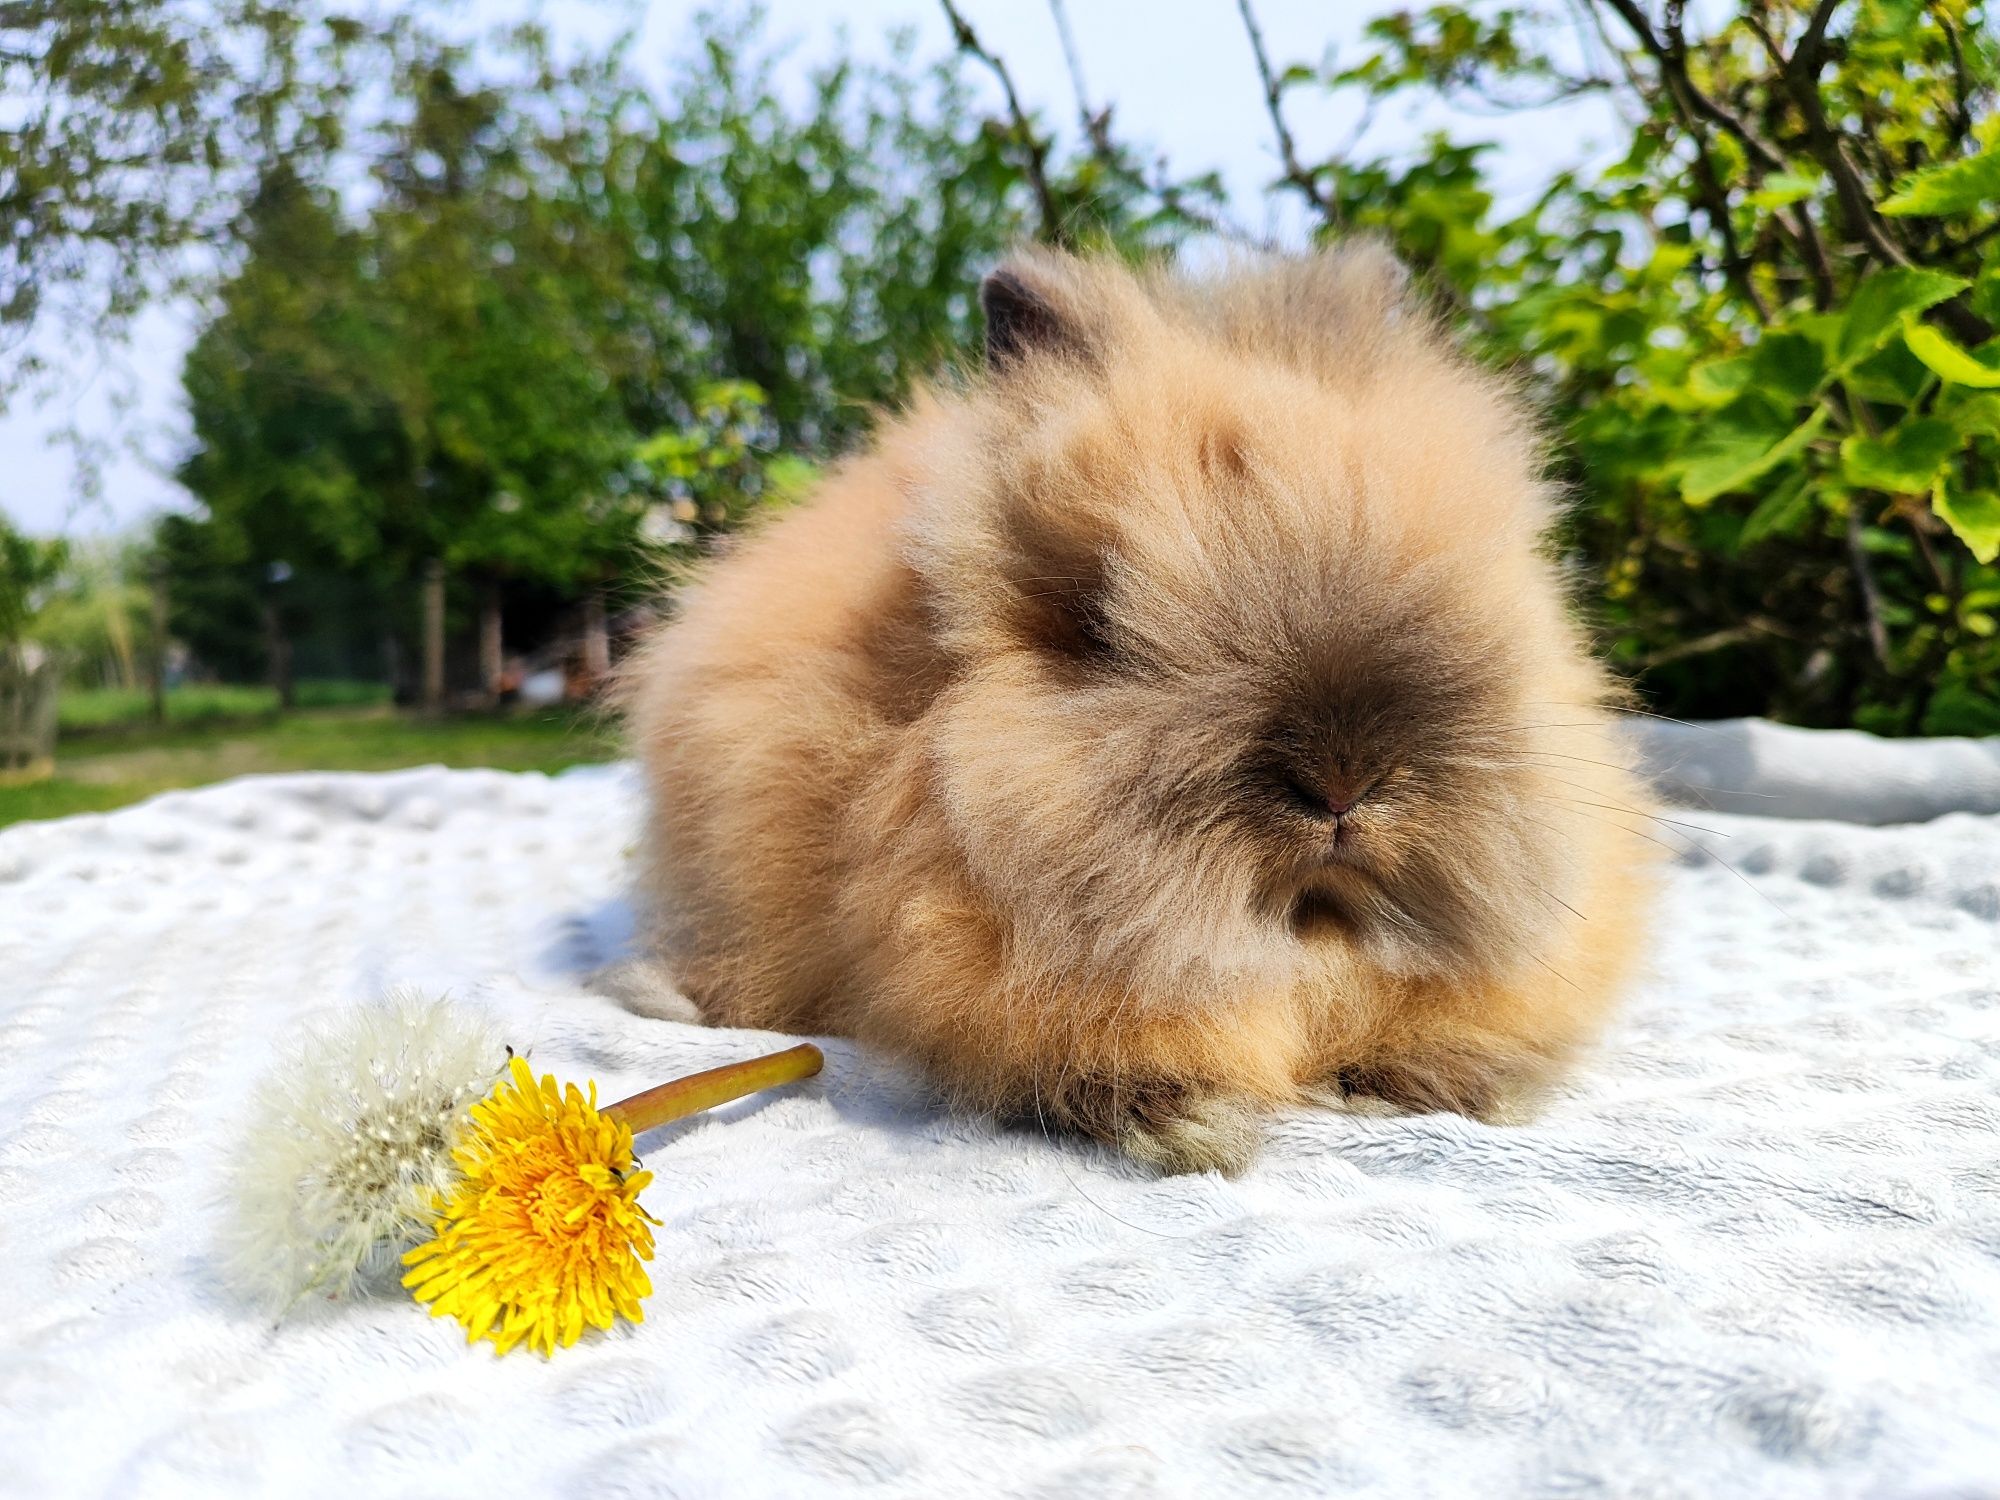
{"type": "Point", "coordinates": [1062, 588]}
{"type": "Point", "coordinates": [1299, 796]}
{"type": "Point", "coordinates": [1085, 631]}
{"type": "Point", "coordinates": [1070, 624]}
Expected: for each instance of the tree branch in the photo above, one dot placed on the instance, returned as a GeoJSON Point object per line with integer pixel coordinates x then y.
{"type": "Point", "coordinates": [1583, 10]}
{"type": "Point", "coordinates": [1800, 225]}
{"type": "Point", "coordinates": [1034, 149]}
{"type": "Point", "coordinates": [1801, 76]}
{"type": "Point", "coordinates": [1961, 82]}
{"type": "Point", "coordinates": [1288, 152]}
{"type": "Point", "coordinates": [1919, 519]}
{"type": "Point", "coordinates": [1715, 203]}
{"type": "Point", "coordinates": [1800, 73]}
{"type": "Point", "coordinates": [1701, 645]}
{"type": "Point", "coordinates": [1670, 55]}
{"type": "Point", "coordinates": [1806, 56]}
{"type": "Point", "coordinates": [1673, 73]}
{"type": "Point", "coordinates": [1096, 126]}
{"type": "Point", "coordinates": [1871, 591]}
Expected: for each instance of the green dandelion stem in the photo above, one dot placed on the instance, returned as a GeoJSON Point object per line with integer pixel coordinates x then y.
{"type": "Point", "coordinates": [691, 1095]}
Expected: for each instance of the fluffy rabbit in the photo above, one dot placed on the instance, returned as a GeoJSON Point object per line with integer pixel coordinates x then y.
{"type": "Point", "coordinates": [1179, 719]}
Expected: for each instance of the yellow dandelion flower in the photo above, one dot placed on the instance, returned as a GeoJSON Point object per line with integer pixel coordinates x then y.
{"type": "Point", "coordinates": [544, 1233]}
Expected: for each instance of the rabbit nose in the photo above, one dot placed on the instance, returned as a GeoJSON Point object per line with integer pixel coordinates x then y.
{"type": "Point", "coordinates": [1344, 793]}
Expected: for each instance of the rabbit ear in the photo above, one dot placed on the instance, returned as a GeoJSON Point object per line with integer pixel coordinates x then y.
{"type": "Point", "coordinates": [1366, 271]}
{"type": "Point", "coordinates": [1331, 312]}
{"type": "Point", "coordinates": [1023, 318]}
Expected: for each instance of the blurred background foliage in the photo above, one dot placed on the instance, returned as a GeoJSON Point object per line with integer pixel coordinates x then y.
{"type": "Point", "coordinates": [1767, 334]}
{"type": "Point", "coordinates": [496, 336]}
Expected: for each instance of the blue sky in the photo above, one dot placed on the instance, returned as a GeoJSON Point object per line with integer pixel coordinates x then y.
{"type": "Point", "coordinates": [1179, 73]}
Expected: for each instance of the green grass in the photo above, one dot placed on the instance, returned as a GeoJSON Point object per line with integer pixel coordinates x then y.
{"type": "Point", "coordinates": [59, 797]}
{"type": "Point", "coordinates": [108, 710]}
{"type": "Point", "coordinates": [99, 771]}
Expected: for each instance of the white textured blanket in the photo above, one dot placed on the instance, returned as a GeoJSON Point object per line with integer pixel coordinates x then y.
{"type": "Point", "coordinates": [1754, 1249]}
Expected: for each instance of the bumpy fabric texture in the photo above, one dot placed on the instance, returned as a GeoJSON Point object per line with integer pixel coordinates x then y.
{"type": "Point", "coordinates": [1775, 770]}
{"type": "Point", "coordinates": [1752, 1248]}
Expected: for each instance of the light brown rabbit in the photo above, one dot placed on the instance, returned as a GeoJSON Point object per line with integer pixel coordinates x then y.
{"type": "Point", "coordinates": [1179, 719]}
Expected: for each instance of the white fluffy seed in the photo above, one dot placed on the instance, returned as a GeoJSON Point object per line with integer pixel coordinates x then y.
{"type": "Point", "coordinates": [347, 1148]}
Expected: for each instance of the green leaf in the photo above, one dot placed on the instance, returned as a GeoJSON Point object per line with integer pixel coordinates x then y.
{"type": "Point", "coordinates": [1985, 298]}
{"type": "Point", "coordinates": [1891, 375]}
{"type": "Point", "coordinates": [1960, 708]}
{"type": "Point", "coordinates": [1950, 187]}
{"type": "Point", "coordinates": [1788, 364]}
{"type": "Point", "coordinates": [1881, 305]}
{"type": "Point", "coordinates": [1781, 188]}
{"type": "Point", "coordinates": [1717, 381]}
{"type": "Point", "coordinates": [1780, 513]}
{"type": "Point", "coordinates": [1903, 462]}
{"type": "Point", "coordinates": [1739, 444]}
{"type": "Point", "coordinates": [1974, 416]}
{"type": "Point", "coordinates": [1951, 362]}
{"type": "Point", "coordinates": [1975, 517]}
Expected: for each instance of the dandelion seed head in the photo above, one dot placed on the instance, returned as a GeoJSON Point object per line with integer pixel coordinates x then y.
{"type": "Point", "coordinates": [347, 1152]}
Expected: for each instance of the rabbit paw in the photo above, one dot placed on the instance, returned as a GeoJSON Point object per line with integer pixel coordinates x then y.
{"type": "Point", "coordinates": [1169, 1125]}
{"type": "Point", "coordinates": [1487, 1090]}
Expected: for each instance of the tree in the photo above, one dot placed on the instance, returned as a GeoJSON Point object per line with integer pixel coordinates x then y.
{"type": "Point", "coordinates": [91, 614]}
{"type": "Point", "coordinates": [505, 363]}
{"type": "Point", "coordinates": [128, 130]}
{"type": "Point", "coordinates": [555, 267]}
{"type": "Point", "coordinates": [215, 597]}
{"type": "Point", "coordinates": [27, 567]}
{"type": "Point", "coordinates": [300, 447]}
{"type": "Point", "coordinates": [715, 473]}
{"type": "Point", "coordinates": [825, 254]}
{"type": "Point", "coordinates": [27, 680]}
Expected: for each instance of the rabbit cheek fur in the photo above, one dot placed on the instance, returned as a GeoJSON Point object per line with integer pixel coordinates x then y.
{"type": "Point", "coordinates": [1179, 721]}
